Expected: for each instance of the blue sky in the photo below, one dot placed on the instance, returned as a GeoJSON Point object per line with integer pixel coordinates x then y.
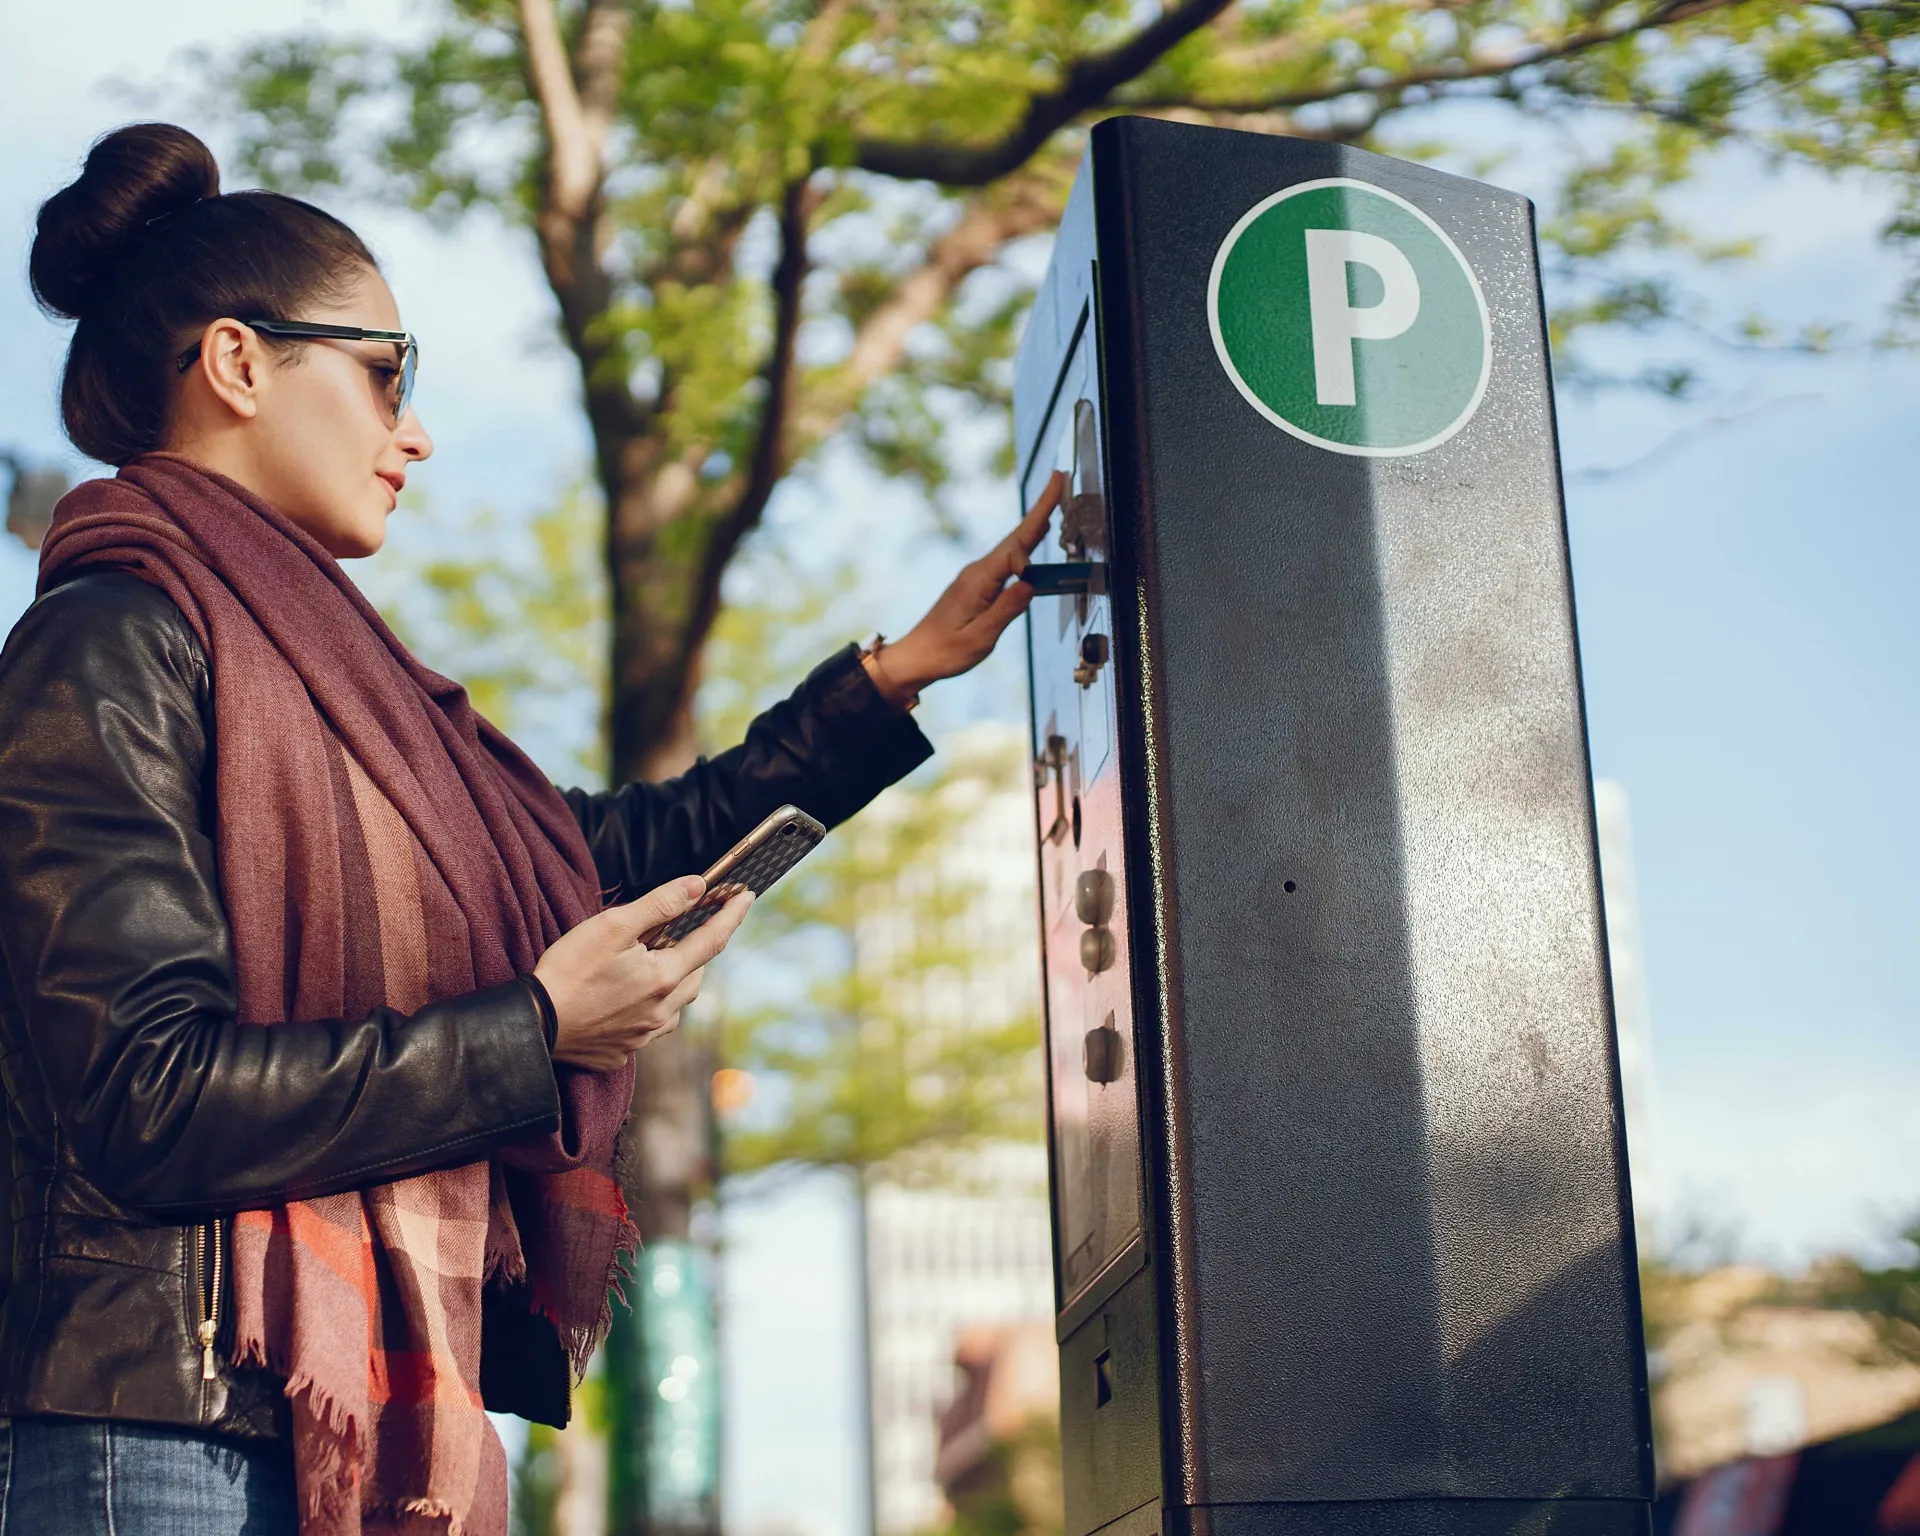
{"type": "Point", "coordinates": [1749, 630]}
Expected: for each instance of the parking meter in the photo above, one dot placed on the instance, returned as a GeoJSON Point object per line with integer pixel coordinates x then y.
{"type": "Point", "coordinates": [1339, 1183]}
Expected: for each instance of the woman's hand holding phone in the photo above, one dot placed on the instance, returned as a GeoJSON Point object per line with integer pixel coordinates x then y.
{"type": "Point", "coordinates": [611, 994]}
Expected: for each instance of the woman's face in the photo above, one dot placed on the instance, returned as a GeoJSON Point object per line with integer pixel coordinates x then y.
{"type": "Point", "coordinates": [322, 444]}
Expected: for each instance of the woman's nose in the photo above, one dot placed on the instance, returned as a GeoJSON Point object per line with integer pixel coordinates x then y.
{"type": "Point", "coordinates": [412, 439]}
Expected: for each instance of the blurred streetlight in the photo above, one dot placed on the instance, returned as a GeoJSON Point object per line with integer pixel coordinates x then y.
{"type": "Point", "coordinates": [732, 1091]}
{"type": "Point", "coordinates": [31, 500]}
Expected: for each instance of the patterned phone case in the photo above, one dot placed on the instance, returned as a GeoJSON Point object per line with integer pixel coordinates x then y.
{"type": "Point", "coordinates": [762, 857]}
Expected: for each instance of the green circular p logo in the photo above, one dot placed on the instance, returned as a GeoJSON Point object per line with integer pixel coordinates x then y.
{"type": "Point", "coordinates": [1347, 317]}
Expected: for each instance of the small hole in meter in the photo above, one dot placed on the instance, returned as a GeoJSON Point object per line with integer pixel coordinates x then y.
{"type": "Point", "coordinates": [1289, 887]}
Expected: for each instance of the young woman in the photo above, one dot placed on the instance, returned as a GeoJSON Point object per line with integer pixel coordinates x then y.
{"type": "Point", "coordinates": [319, 1002]}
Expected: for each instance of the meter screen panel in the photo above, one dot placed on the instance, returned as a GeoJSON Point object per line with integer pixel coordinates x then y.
{"type": "Point", "coordinates": [1089, 1003]}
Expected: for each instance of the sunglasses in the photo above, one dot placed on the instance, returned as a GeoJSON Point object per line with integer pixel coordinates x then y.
{"type": "Point", "coordinates": [399, 390]}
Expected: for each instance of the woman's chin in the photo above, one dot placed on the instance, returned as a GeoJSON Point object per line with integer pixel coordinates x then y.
{"type": "Point", "coordinates": [357, 542]}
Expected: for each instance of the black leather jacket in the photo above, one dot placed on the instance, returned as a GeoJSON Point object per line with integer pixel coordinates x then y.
{"type": "Point", "coordinates": [140, 1113]}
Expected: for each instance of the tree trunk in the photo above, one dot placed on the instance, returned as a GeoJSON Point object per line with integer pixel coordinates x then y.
{"type": "Point", "coordinates": [580, 1500]}
{"type": "Point", "coordinates": [667, 1167]}
{"type": "Point", "coordinates": [651, 731]}
{"type": "Point", "coordinates": [671, 1169]}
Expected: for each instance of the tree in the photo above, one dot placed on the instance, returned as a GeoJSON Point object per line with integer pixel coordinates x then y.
{"type": "Point", "coordinates": [883, 1040]}
{"type": "Point", "coordinates": [767, 221]}
{"type": "Point", "coordinates": [517, 614]}
{"type": "Point", "coordinates": [770, 223]}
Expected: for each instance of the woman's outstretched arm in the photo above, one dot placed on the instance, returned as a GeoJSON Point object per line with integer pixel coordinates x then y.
{"type": "Point", "coordinates": [829, 748]}
{"type": "Point", "coordinates": [841, 737]}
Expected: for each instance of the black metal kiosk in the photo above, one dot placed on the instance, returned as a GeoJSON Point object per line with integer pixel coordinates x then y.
{"type": "Point", "coordinates": [1339, 1184]}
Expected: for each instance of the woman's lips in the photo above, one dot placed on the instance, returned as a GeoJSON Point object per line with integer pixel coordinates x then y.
{"type": "Point", "coordinates": [395, 483]}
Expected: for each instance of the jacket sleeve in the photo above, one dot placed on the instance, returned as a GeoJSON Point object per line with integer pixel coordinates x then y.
{"type": "Point", "coordinates": [117, 949]}
{"type": "Point", "coordinates": [828, 748]}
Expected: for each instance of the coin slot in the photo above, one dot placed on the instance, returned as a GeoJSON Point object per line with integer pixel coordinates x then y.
{"type": "Point", "coordinates": [1103, 1378]}
{"type": "Point", "coordinates": [1094, 652]}
{"type": "Point", "coordinates": [1052, 767]}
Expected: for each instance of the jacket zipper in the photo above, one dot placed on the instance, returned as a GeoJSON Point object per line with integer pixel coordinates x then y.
{"type": "Point", "coordinates": [207, 1300]}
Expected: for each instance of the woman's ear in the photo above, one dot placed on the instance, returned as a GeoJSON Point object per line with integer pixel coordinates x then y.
{"type": "Point", "coordinates": [231, 367]}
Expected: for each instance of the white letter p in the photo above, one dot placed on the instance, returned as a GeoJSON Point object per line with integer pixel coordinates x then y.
{"type": "Point", "coordinates": [1337, 323]}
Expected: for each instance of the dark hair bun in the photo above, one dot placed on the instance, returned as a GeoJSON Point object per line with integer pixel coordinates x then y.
{"type": "Point", "coordinates": [143, 251]}
{"type": "Point", "coordinates": [132, 177]}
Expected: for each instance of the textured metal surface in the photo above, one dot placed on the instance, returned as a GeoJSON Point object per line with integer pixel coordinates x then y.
{"type": "Point", "coordinates": [1418, 1517]}
{"type": "Point", "coordinates": [1385, 1179]}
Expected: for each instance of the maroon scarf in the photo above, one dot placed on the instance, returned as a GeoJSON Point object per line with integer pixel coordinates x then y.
{"type": "Point", "coordinates": [379, 844]}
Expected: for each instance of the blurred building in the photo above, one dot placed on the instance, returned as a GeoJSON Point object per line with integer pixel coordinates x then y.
{"type": "Point", "coordinates": [1744, 1373]}
{"type": "Point", "coordinates": [1866, 1483]}
{"type": "Point", "coordinates": [1621, 896]}
{"type": "Point", "coordinates": [999, 1462]}
{"type": "Point", "coordinates": [942, 1267]}
{"type": "Point", "coordinates": [942, 1262]}
{"type": "Point", "coordinates": [1778, 1418]}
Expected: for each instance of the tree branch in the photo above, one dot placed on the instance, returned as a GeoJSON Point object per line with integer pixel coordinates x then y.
{"type": "Point", "coordinates": [573, 168]}
{"type": "Point", "coordinates": [1664, 15]}
{"type": "Point", "coordinates": [1020, 207]}
{"type": "Point", "coordinates": [1017, 207]}
{"type": "Point", "coordinates": [1682, 437]}
{"type": "Point", "coordinates": [598, 55]}
{"type": "Point", "coordinates": [819, 42]}
{"type": "Point", "coordinates": [704, 229]}
{"type": "Point", "coordinates": [770, 449]}
{"type": "Point", "coordinates": [1280, 47]}
{"type": "Point", "coordinates": [577, 99]}
{"type": "Point", "coordinates": [1089, 81]}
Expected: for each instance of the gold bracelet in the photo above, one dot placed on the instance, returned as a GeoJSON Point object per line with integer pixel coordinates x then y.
{"type": "Point", "coordinates": [872, 653]}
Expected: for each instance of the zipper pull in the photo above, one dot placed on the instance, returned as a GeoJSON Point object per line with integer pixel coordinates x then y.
{"type": "Point", "coordinates": [207, 1330]}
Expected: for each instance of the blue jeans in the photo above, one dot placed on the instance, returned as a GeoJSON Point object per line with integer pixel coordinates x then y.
{"type": "Point", "coordinates": [88, 1477]}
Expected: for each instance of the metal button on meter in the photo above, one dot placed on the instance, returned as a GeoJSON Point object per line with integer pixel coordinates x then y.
{"type": "Point", "coordinates": [1093, 897]}
{"type": "Point", "coordinates": [1103, 1053]}
{"type": "Point", "coordinates": [1097, 950]}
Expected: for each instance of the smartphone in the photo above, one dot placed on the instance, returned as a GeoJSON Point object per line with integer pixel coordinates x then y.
{"type": "Point", "coordinates": [752, 864]}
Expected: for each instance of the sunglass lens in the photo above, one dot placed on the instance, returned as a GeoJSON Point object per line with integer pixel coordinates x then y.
{"type": "Point", "coordinates": [408, 366]}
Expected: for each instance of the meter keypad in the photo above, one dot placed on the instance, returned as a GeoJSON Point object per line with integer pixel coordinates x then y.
{"type": "Point", "coordinates": [1095, 1107]}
